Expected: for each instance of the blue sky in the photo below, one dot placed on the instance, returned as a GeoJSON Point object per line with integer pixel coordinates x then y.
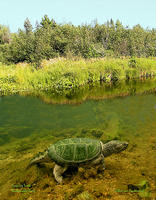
{"type": "Point", "coordinates": [129, 12]}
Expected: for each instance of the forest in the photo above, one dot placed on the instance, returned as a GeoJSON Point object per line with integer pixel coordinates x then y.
{"type": "Point", "coordinates": [49, 39]}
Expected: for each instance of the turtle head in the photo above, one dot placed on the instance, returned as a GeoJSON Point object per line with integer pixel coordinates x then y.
{"type": "Point", "coordinates": [114, 146]}
{"type": "Point", "coordinates": [41, 157]}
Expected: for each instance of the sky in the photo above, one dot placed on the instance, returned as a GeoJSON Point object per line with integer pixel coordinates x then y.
{"type": "Point", "coordinates": [130, 12]}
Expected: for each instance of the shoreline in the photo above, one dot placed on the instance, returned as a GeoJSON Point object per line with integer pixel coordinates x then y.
{"type": "Point", "coordinates": [63, 75]}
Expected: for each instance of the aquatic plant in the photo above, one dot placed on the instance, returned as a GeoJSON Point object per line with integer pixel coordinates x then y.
{"type": "Point", "coordinates": [144, 189]}
{"type": "Point", "coordinates": [84, 196]}
{"type": "Point", "coordinates": [63, 76]}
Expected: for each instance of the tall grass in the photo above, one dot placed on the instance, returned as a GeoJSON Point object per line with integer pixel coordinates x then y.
{"type": "Point", "coordinates": [64, 75]}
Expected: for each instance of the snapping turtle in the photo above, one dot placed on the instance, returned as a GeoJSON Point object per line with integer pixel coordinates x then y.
{"type": "Point", "coordinates": [74, 151]}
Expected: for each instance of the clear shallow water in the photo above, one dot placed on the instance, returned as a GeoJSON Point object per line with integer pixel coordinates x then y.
{"type": "Point", "coordinates": [125, 117]}
{"type": "Point", "coordinates": [28, 125]}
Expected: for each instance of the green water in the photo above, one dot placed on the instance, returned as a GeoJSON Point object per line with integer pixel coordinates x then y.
{"type": "Point", "coordinates": [28, 125]}
{"type": "Point", "coordinates": [22, 117]}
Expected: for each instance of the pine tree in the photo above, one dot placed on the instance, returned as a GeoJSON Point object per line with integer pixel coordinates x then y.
{"type": "Point", "coordinates": [28, 26]}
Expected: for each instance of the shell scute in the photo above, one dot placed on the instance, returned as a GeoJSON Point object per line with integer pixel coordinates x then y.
{"type": "Point", "coordinates": [67, 152]}
{"type": "Point", "coordinates": [80, 152]}
{"type": "Point", "coordinates": [74, 150]}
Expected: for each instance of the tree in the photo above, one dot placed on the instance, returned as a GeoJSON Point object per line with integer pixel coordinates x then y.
{"type": "Point", "coordinates": [28, 26]}
{"type": "Point", "coordinates": [5, 36]}
{"type": "Point", "coordinates": [136, 40]}
{"type": "Point", "coordinates": [49, 39]}
{"type": "Point", "coordinates": [46, 22]}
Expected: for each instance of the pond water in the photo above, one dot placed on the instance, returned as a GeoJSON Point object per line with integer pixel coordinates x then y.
{"type": "Point", "coordinates": [28, 125]}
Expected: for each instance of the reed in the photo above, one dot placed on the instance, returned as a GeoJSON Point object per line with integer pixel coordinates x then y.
{"type": "Point", "coordinates": [64, 75]}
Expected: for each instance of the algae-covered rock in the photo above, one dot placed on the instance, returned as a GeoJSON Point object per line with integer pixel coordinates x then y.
{"type": "Point", "coordinates": [89, 173]}
{"type": "Point", "coordinates": [97, 133]}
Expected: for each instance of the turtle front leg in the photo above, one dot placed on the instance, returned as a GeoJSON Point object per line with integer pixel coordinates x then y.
{"type": "Point", "coordinates": [99, 160]}
{"type": "Point", "coordinates": [58, 171]}
{"type": "Point", "coordinates": [103, 162]}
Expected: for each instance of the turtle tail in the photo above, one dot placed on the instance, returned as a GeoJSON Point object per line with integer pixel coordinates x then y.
{"type": "Point", "coordinates": [39, 158]}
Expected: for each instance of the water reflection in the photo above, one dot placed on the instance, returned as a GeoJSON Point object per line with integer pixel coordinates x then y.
{"type": "Point", "coordinates": [97, 91]}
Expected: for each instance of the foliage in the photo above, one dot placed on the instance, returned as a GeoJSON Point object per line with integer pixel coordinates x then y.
{"type": "Point", "coordinates": [49, 39]}
{"type": "Point", "coordinates": [64, 76]}
{"type": "Point", "coordinates": [4, 34]}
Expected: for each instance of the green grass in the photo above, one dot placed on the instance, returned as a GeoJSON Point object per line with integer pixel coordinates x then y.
{"type": "Point", "coordinates": [64, 75]}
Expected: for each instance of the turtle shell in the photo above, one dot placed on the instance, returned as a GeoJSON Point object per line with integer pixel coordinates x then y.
{"type": "Point", "coordinates": [74, 150]}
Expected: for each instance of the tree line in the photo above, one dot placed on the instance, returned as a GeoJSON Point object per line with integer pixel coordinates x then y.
{"type": "Point", "coordinates": [49, 39]}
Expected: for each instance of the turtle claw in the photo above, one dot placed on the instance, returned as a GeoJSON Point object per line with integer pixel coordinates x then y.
{"type": "Point", "coordinates": [59, 180]}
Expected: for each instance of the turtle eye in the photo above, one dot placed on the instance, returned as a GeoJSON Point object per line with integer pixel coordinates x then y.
{"type": "Point", "coordinates": [125, 144]}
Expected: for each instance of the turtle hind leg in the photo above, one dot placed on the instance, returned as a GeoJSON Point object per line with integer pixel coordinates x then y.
{"type": "Point", "coordinates": [58, 171]}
